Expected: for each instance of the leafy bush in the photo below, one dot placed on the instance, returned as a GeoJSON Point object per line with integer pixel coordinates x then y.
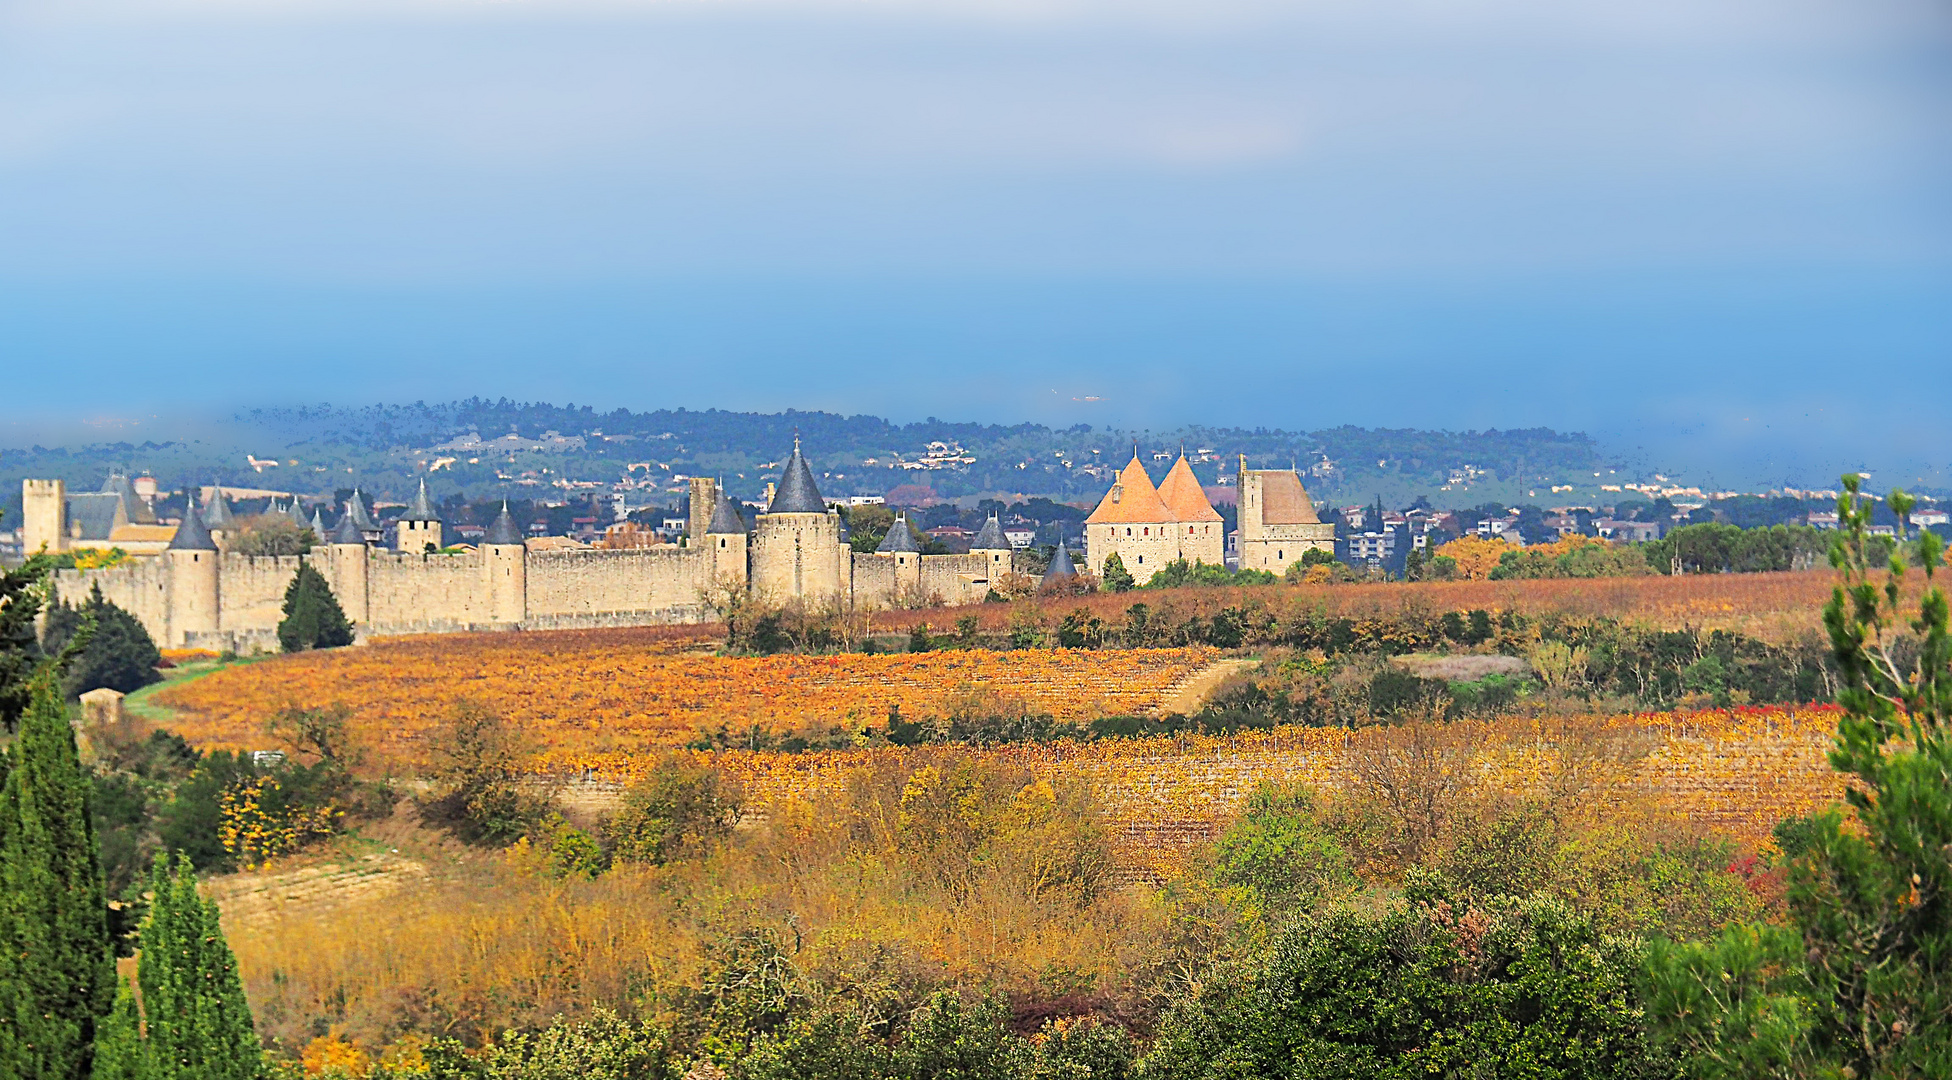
{"type": "Point", "coordinates": [1279, 852]}
{"type": "Point", "coordinates": [678, 808]}
{"type": "Point", "coordinates": [1422, 987]}
{"type": "Point", "coordinates": [479, 770]}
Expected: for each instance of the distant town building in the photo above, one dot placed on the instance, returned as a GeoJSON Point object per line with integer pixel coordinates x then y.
{"type": "Point", "coordinates": [1630, 531]}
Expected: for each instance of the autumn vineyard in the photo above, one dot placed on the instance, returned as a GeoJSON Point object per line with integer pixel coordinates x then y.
{"type": "Point", "coordinates": [604, 706]}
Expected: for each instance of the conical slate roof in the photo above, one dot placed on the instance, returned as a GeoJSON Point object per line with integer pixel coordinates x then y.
{"type": "Point", "coordinates": [317, 525]}
{"type": "Point", "coordinates": [296, 516]}
{"type": "Point", "coordinates": [216, 512]}
{"type": "Point", "coordinates": [348, 532]}
{"type": "Point", "coordinates": [1061, 566]}
{"type": "Point", "coordinates": [1182, 494]}
{"type": "Point", "coordinates": [191, 535]}
{"type": "Point", "coordinates": [725, 516]}
{"type": "Point", "coordinates": [504, 530]}
{"type": "Point", "coordinates": [140, 513]}
{"type": "Point", "coordinates": [900, 538]}
{"type": "Point", "coordinates": [361, 517]}
{"type": "Point", "coordinates": [796, 493]}
{"type": "Point", "coordinates": [422, 507]}
{"type": "Point", "coordinates": [990, 537]}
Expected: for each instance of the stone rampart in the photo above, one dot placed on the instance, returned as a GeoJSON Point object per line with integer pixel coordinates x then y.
{"type": "Point", "coordinates": [653, 584]}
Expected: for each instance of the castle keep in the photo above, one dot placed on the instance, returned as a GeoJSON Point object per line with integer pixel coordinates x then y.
{"type": "Point", "coordinates": [195, 593]}
{"type": "Point", "coordinates": [1148, 527]}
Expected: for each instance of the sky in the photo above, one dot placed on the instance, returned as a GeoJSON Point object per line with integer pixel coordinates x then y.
{"type": "Point", "coordinates": [1719, 231]}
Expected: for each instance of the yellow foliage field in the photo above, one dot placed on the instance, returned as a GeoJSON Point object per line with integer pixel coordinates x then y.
{"type": "Point", "coordinates": [1730, 771]}
{"type": "Point", "coordinates": [598, 701]}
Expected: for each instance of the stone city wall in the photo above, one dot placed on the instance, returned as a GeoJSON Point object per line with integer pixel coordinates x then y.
{"type": "Point", "coordinates": [139, 587]}
{"type": "Point", "coordinates": [590, 587]}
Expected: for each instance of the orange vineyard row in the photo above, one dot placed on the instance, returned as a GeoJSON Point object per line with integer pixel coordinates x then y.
{"type": "Point", "coordinates": [594, 698]}
{"type": "Point", "coordinates": [1773, 606]}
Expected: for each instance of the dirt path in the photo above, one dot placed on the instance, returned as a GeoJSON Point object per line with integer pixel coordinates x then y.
{"type": "Point", "coordinates": [1192, 692]}
{"type": "Point", "coordinates": [259, 897]}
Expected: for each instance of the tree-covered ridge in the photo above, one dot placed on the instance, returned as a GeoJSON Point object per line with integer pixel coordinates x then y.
{"type": "Point", "coordinates": [384, 449]}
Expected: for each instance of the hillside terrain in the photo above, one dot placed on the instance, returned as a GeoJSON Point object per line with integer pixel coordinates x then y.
{"type": "Point", "coordinates": [481, 449]}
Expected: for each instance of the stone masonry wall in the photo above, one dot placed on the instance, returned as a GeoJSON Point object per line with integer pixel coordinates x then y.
{"type": "Point", "coordinates": [660, 584]}
{"type": "Point", "coordinates": [139, 587]}
{"type": "Point", "coordinates": [409, 594]}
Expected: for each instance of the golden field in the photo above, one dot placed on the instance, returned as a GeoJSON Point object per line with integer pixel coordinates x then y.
{"type": "Point", "coordinates": [602, 700]}
{"type": "Point", "coordinates": [1730, 771]}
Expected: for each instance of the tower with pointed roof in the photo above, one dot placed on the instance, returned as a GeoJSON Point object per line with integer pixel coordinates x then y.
{"type": "Point", "coordinates": [351, 568]}
{"type": "Point", "coordinates": [195, 580]}
{"type": "Point", "coordinates": [1199, 529]}
{"type": "Point", "coordinates": [900, 548]}
{"type": "Point", "coordinates": [363, 519]}
{"type": "Point", "coordinates": [1278, 523]}
{"type": "Point", "coordinates": [1060, 568]}
{"type": "Point", "coordinates": [797, 552]}
{"type": "Point", "coordinates": [419, 530]}
{"type": "Point", "coordinates": [993, 548]}
{"type": "Point", "coordinates": [726, 540]}
{"type": "Point", "coordinates": [217, 515]}
{"type": "Point", "coordinates": [505, 569]}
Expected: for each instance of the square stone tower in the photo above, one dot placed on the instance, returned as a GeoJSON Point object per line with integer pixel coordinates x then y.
{"type": "Point", "coordinates": [44, 515]}
{"type": "Point", "coordinates": [1278, 523]}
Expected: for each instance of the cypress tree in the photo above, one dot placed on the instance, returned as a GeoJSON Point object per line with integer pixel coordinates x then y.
{"type": "Point", "coordinates": [20, 650]}
{"type": "Point", "coordinates": [313, 618]}
{"type": "Point", "coordinates": [56, 964]}
{"type": "Point", "coordinates": [118, 1040]}
{"type": "Point", "coordinates": [199, 1026]}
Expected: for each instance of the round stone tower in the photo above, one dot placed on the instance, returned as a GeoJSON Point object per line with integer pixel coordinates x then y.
{"type": "Point", "coordinates": [349, 564]}
{"type": "Point", "coordinates": [993, 548]}
{"type": "Point", "coordinates": [726, 540]}
{"type": "Point", "coordinates": [797, 549]}
{"type": "Point", "coordinates": [419, 531]}
{"type": "Point", "coordinates": [504, 565]}
{"type": "Point", "coordinates": [194, 581]}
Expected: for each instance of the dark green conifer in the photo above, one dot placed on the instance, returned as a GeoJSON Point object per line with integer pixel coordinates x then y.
{"type": "Point", "coordinates": [20, 650]}
{"type": "Point", "coordinates": [313, 618]}
{"type": "Point", "coordinates": [118, 1040]}
{"type": "Point", "coordinates": [119, 655]}
{"type": "Point", "coordinates": [198, 1025]}
{"type": "Point", "coordinates": [56, 965]}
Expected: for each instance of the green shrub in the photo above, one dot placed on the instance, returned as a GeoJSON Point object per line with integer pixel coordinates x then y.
{"type": "Point", "coordinates": [680, 807]}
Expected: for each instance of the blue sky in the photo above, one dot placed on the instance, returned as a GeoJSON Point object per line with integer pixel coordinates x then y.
{"type": "Point", "coordinates": [1718, 230]}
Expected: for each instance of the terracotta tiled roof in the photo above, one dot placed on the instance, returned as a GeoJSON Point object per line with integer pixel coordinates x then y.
{"type": "Point", "coordinates": [1181, 493]}
{"type": "Point", "coordinates": [1131, 501]}
{"type": "Point", "coordinates": [144, 534]}
{"type": "Point", "coordinates": [1284, 501]}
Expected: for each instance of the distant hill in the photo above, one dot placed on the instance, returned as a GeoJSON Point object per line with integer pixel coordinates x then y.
{"type": "Point", "coordinates": [480, 448]}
